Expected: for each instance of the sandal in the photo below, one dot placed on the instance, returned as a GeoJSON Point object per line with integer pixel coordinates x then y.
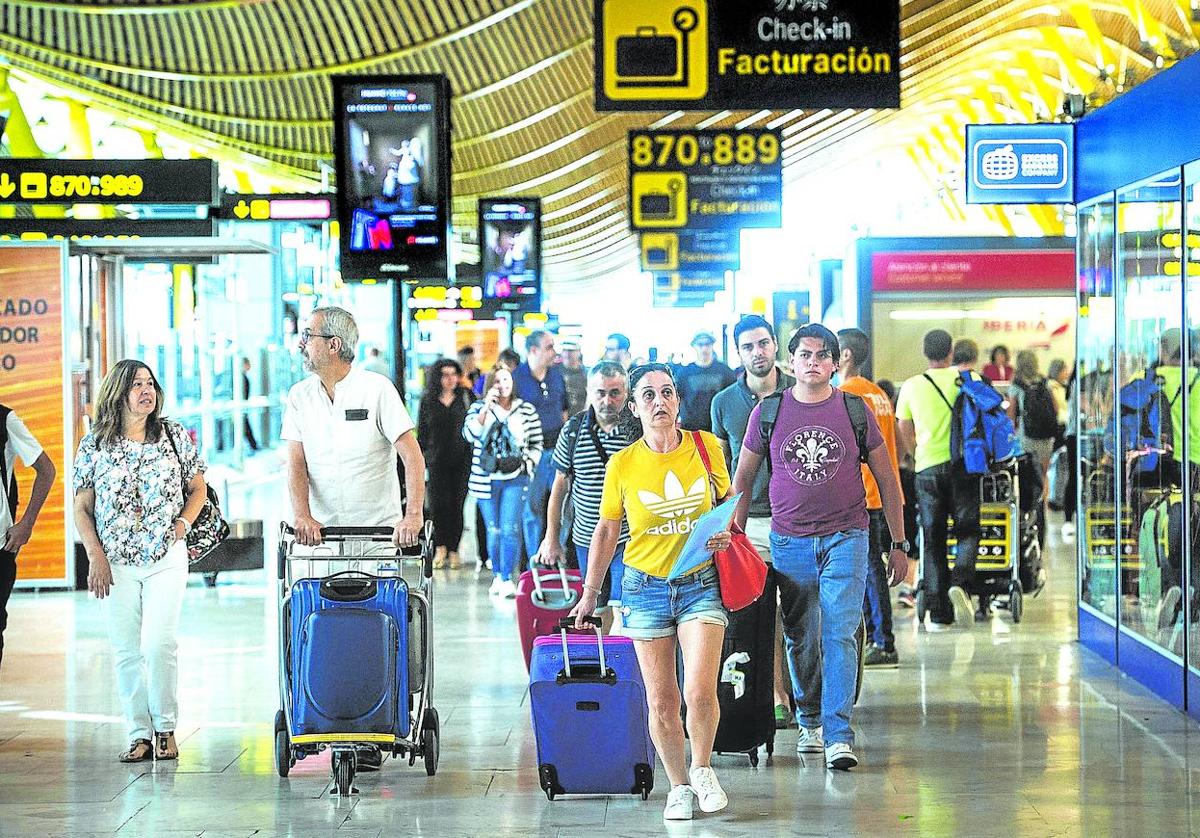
{"type": "Point", "coordinates": [164, 745]}
{"type": "Point", "coordinates": [139, 751]}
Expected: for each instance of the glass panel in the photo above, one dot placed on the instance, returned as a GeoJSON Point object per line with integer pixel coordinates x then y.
{"type": "Point", "coordinates": [1190, 417]}
{"type": "Point", "coordinates": [1149, 377]}
{"type": "Point", "coordinates": [1096, 524]}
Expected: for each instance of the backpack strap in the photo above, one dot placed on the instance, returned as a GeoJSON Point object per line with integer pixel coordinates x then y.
{"type": "Point", "coordinates": [1191, 384]}
{"type": "Point", "coordinates": [571, 432]}
{"type": "Point", "coordinates": [9, 481]}
{"type": "Point", "coordinates": [601, 452]}
{"type": "Point", "coordinates": [856, 408]}
{"type": "Point", "coordinates": [768, 415]}
{"type": "Point", "coordinates": [933, 384]}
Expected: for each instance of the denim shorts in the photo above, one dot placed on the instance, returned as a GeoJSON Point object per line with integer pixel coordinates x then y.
{"type": "Point", "coordinates": [653, 607]}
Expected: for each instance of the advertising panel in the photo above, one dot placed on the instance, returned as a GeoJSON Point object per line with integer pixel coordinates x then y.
{"type": "Point", "coordinates": [654, 55]}
{"type": "Point", "coordinates": [392, 150]}
{"type": "Point", "coordinates": [510, 251]}
{"type": "Point", "coordinates": [705, 179]}
{"type": "Point", "coordinates": [32, 349]}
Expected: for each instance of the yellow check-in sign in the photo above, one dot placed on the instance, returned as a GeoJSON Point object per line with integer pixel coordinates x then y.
{"type": "Point", "coordinates": [660, 251]}
{"type": "Point", "coordinates": [659, 199]}
{"type": "Point", "coordinates": [655, 49]}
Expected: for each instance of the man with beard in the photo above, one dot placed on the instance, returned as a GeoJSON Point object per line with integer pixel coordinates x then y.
{"type": "Point", "coordinates": [755, 342]}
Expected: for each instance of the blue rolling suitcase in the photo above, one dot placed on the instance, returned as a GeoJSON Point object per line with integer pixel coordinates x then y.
{"type": "Point", "coordinates": [349, 659]}
{"type": "Point", "coordinates": [590, 718]}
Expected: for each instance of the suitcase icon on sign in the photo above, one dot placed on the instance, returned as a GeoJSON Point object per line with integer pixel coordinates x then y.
{"type": "Point", "coordinates": [659, 199]}
{"type": "Point", "coordinates": [656, 48]}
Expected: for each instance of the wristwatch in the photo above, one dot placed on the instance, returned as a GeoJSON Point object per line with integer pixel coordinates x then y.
{"type": "Point", "coordinates": [902, 545]}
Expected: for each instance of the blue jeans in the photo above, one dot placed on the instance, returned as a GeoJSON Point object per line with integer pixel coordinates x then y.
{"type": "Point", "coordinates": [822, 580]}
{"type": "Point", "coordinates": [537, 498]}
{"type": "Point", "coordinates": [610, 588]}
{"type": "Point", "coordinates": [502, 515]}
{"type": "Point", "coordinates": [654, 607]}
{"type": "Point", "coordinates": [878, 607]}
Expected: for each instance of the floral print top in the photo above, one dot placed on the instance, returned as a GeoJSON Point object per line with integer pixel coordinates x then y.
{"type": "Point", "coordinates": [139, 492]}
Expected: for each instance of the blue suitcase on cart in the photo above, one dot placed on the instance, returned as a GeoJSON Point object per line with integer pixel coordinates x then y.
{"type": "Point", "coordinates": [590, 718]}
{"type": "Point", "coordinates": [349, 659]}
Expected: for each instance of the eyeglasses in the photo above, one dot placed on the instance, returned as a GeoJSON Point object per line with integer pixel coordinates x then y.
{"type": "Point", "coordinates": [309, 334]}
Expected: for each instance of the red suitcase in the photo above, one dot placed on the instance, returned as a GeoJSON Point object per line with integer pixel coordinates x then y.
{"type": "Point", "coordinates": [544, 596]}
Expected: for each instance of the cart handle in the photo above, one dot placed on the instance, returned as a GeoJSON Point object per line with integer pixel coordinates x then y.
{"type": "Point", "coordinates": [422, 549]}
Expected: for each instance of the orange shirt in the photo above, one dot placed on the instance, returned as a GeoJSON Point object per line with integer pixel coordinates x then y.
{"type": "Point", "coordinates": [885, 415]}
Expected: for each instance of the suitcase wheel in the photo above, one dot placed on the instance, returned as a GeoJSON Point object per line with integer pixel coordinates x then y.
{"type": "Point", "coordinates": [548, 777]}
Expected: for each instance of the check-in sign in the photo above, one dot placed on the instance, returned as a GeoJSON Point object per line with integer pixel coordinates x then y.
{"type": "Point", "coordinates": [691, 250]}
{"type": "Point", "coordinates": [1020, 164]}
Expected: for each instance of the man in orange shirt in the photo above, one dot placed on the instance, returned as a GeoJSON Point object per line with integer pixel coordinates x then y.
{"type": "Point", "coordinates": [877, 607]}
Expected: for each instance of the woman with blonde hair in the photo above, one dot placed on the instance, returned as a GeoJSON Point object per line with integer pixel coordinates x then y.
{"type": "Point", "coordinates": [131, 471]}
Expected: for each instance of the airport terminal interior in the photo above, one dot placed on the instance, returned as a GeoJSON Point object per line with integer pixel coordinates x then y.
{"type": "Point", "coordinates": [448, 211]}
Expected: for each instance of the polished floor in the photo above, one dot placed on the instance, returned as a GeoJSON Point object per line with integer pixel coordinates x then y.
{"type": "Point", "coordinates": [999, 730]}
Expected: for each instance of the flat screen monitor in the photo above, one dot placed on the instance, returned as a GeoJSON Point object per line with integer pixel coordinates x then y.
{"type": "Point", "coordinates": [392, 150]}
{"type": "Point", "coordinates": [510, 244]}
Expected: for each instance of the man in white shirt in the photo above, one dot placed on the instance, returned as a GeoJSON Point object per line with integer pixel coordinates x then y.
{"type": "Point", "coordinates": [344, 427]}
{"type": "Point", "coordinates": [18, 442]}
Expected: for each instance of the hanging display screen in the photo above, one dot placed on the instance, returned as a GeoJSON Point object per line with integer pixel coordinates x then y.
{"type": "Point", "coordinates": [510, 245]}
{"type": "Point", "coordinates": [392, 148]}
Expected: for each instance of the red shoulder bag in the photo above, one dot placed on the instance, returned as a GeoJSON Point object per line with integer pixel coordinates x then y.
{"type": "Point", "coordinates": [742, 572]}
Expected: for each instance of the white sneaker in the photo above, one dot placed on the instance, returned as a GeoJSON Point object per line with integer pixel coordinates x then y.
{"type": "Point", "coordinates": [810, 741]}
{"type": "Point", "coordinates": [679, 804]}
{"type": "Point", "coordinates": [964, 612]}
{"type": "Point", "coordinates": [509, 589]}
{"type": "Point", "coordinates": [840, 756]}
{"type": "Point", "coordinates": [497, 582]}
{"type": "Point", "coordinates": [934, 626]}
{"type": "Point", "coordinates": [1068, 531]}
{"type": "Point", "coordinates": [709, 794]}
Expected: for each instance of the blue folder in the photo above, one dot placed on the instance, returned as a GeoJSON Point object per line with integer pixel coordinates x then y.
{"type": "Point", "coordinates": [694, 552]}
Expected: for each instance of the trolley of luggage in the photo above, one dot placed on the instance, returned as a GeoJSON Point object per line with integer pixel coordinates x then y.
{"type": "Point", "coordinates": [355, 652]}
{"type": "Point", "coordinates": [1011, 534]}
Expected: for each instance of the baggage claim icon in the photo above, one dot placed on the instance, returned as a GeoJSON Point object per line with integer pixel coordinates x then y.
{"type": "Point", "coordinates": [655, 49]}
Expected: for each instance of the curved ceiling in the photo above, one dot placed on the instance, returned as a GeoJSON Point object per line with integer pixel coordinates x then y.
{"type": "Point", "coordinates": [249, 81]}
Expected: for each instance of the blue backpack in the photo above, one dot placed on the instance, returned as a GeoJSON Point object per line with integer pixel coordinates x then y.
{"type": "Point", "coordinates": [981, 434]}
{"type": "Point", "coordinates": [1145, 417]}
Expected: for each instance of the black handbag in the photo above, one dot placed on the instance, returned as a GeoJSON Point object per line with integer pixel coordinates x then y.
{"type": "Point", "coordinates": [209, 529]}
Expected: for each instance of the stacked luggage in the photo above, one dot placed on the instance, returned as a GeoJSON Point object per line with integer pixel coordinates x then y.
{"type": "Point", "coordinates": [356, 665]}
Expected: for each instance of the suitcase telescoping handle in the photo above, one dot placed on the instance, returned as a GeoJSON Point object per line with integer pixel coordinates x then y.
{"type": "Point", "coordinates": [567, 623]}
{"type": "Point", "coordinates": [562, 575]}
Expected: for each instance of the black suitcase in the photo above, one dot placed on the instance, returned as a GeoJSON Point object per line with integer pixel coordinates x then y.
{"type": "Point", "coordinates": [746, 679]}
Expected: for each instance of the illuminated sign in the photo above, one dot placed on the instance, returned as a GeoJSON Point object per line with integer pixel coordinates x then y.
{"type": "Point", "coordinates": [41, 229]}
{"type": "Point", "coordinates": [510, 251]}
{"type": "Point", "coordinates": [392, 149]}
{"type": "Point", "coordinates": [272, 207]}
{"type": "Point", "coordinates": [705, 179]}
{"type": "Point", "coordinates": [685, 290]}
{"type": "Point", "coordinates": [1020, 164]}
{"type": "Point", "coordinates": [29, 181]}
{"type": "Point", "coordinates": [656, 55]}
{"type": "Point", "coordinates": [691, 250]}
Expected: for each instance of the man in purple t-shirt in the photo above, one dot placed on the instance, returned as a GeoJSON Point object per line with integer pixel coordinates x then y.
{"type": "Point", "coordinates": [819, 534]}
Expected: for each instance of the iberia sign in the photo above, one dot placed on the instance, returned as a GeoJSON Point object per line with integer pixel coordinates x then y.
{"type": "Point", "coordinates": [740, 54]}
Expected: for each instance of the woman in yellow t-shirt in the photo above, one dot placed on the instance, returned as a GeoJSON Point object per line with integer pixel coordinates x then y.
{"type": "Point", "coordinates": [660, 485]}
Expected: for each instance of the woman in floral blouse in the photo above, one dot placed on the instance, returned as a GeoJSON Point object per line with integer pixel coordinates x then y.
{"type": "Point", "coordinates": [133, 518]}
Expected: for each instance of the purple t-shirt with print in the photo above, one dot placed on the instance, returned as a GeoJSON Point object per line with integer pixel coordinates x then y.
{"type": "Point", "coordinates": [816, 483]}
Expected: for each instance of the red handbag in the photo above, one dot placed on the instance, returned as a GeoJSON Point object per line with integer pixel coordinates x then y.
{"type": "Point", "coordinates": [742, 572]}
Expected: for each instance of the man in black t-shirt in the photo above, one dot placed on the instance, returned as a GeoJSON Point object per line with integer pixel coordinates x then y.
{"type": "Point", "coordinates": [699, 382]}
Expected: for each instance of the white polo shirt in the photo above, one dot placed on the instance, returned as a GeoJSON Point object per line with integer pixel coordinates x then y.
{"type": "Point", "coordinates": [349, 447]}
{"type": "Point", "coordinates": [21, 443]}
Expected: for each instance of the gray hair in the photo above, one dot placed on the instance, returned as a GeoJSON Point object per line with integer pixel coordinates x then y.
{"type": "Point", "coordinates": [340, 323]}
{"type": "Point", "coordinates": [609, 369]}
{"type": "Point", "coordinates": [534, 338]}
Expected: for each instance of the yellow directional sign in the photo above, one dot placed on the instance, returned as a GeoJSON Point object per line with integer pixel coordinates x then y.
{"type": "Point", "coordinates": [659, 199]}
{"type": "Point", "coordinates": [655, 49]}
{"type": "Point", "coordinates": [660, 252]}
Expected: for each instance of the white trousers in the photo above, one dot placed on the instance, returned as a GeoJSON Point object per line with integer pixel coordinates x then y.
{"type": "Point", "coordinates": [142, 611]}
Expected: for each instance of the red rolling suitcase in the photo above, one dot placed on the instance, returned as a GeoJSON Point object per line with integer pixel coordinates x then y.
{"type": "Point", "coordinates": [541, 606]}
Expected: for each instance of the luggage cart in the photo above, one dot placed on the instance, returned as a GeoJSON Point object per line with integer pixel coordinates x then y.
{"type": "Point", "coordinates": [357, 573]}
{"type": "Point", "coordinates": [1008, 537]}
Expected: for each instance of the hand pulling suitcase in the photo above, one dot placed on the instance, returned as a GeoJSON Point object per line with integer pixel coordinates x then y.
{"type": "Point", "coordinates": [349, 655]}
{"type": "Point", "coordinates": [540, 607]}
{"type": "Point", "coordinates": [590, 718]}
{"type": "Point", "coordinates": [746, 679]}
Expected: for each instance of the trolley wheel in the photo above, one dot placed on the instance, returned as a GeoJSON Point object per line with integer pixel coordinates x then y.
{"type": "Point", "coordinates": [753, 754]}
{"type": "Point", "coordinates": [431, 737]}
{"type": "Point", "coordinates": [280, 721]}
{"type": "Point", "coordinates": [343, 775]}
{"type": "Point", "coordinates": [283, 753]}
{"type": "Point", "coordinates": [210, 580]}
{"type": "Point", "coordinates": [1016, 603]}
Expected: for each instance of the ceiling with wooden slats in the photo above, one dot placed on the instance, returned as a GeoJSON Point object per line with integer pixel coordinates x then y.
{"type": "Point", "coordinates": [249, 81]}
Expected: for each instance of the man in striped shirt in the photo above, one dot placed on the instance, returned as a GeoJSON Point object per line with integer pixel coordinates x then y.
{"type": "Point", "coordinates": [580, 457]}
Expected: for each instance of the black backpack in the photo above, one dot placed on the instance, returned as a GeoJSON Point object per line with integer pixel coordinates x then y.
{"type": "Point", "coordinates": [499, 453]}
{"type": "Point", "coordinates": [856, 408]}
{"type": "Point", "coordinates": [9, 481]}
{"type": "Point", "coordinates": [1039, 416]}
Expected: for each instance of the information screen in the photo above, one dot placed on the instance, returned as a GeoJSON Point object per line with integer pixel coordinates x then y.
{"type": "Point", "coordinates": [510, 245]}
{"type": "Point", "coordinates": [393, 165]}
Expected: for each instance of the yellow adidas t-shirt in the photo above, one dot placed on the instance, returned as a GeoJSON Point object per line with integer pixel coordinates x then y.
{"type": "Point", "coordinates": [661, 495]}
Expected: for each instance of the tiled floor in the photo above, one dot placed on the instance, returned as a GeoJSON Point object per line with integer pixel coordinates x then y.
{"type": "Point", "coordinates": [999, 730]}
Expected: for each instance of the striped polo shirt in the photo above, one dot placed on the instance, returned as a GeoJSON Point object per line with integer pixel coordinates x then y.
{"type": "Point", "coordinates": [588, 468]}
